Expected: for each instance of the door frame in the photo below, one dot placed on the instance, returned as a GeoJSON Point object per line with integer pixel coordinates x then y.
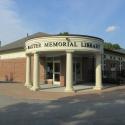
{"type": "Point", "coordinates": [53, 75]}
{"type": "Point", "coordinates": [59, 73]}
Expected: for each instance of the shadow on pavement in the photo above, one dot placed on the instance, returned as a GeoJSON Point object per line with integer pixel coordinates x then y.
{"type": "Point", "coordinates": [79, 110]}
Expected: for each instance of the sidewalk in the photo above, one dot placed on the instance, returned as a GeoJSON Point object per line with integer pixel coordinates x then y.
{"type": "Point", "coordinates": [19, 91]}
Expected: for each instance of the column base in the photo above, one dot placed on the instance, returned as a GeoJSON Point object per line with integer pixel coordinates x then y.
{"type": "Point", "coordinates": [28, 85]}
{"type": "Point", "coordinates": [34, 88]}
{"type": "Point", "coordinates": [69, 90]}
{"type": "Point", "coordinates": [97, 87]}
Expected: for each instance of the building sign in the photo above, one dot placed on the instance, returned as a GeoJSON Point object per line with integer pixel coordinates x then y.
{"type": "Point", "coordinates": [62, 44]}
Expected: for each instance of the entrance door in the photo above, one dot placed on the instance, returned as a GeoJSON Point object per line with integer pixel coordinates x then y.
{"type": "Point", "coordinates": [77, 72]}
{"type": "Point", "coordinates": [53, 71]}
{"type": "Point", "coordinates": [56, 73]}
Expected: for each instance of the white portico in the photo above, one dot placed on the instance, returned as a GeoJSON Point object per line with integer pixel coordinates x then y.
{"type": "Point", "coordinates": [67, 46]}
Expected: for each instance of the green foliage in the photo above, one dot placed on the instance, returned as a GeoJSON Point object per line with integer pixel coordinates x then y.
{"type": "Point", "coordinates": [116, 46]}
{"type": "Point", "coordinates": [108, 45]}
{"type": "Point", "coordinates": [63, 33]}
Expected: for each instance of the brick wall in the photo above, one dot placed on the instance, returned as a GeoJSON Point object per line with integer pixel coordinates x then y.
{"type": "Point", "coordinates": [42, 70]}
{"type": "Point", "coordinates": [13, 70]}
{"type": "Point", "coordinates": [63, 71]}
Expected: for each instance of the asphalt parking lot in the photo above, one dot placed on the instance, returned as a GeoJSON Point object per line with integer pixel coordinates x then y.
{"type": "Point", "coordinates": [95, 109]}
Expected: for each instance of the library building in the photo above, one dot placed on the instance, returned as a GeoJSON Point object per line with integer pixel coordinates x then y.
{"type": "Point", "coordinates": [61, 60]}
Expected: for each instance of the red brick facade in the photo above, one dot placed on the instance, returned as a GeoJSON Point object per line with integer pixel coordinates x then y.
{"type": "Point", "coordinates": [42, 70]}
{"type": "Point", "coordinates": [13, 70]}
{"type": "Point", "coordinates": [63, 71]}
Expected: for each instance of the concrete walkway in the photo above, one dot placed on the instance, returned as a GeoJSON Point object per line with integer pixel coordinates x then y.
{"type": "Point", "coordinates": [18, 90]}
{"type": "Point", "coordinates": [58, 88]}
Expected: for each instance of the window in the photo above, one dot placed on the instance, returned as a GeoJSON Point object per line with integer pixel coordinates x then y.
{"type": "Point", "coordinates": [110, 57]}
{"type": "Point", "coordinates": [49, 70]}
{"type": "Point", "coordinates": [104, 67]}
{"type": "Point", "coordinates": [104, 56]}
{"type": "Point", "coordinates": [104, 61]}
{"type": "Point", "coordinates": [113, 65]}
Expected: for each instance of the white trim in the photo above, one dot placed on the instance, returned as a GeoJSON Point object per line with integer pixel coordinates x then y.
{"type": "Point", "coordinates": [61, 44]}
{"type": "Point", "coordinates": [13, 55]}
{"type": "Point", "coordinates": [59, 73]}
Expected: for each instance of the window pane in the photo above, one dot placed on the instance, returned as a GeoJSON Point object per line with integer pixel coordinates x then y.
{"type": "Point", "coordinates": [57, 67]}
{"type": "Point", "coordinates": [49, 70]}
{"type": "Point", "coordinates": [77, 68]}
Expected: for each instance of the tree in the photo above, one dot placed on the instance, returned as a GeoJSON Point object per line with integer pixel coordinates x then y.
{"type": "Point", "coordinates": [63, 33]}
{"type": "Point", "coordinates": [116, 46]}
{"type": "Point", "coordinates": [108, 45]}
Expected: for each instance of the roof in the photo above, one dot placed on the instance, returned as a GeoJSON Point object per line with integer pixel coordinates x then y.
{"type": "Point", "coordinates": [81, 36]}
{"type": "Point", "coordinates": [78, 35]}
{"type": "Point", "coordinates": [19, 44]}
{"type": "Point", "coordinates": [121, 50]}
{"type": "Point", "coordinates": [118, 51]}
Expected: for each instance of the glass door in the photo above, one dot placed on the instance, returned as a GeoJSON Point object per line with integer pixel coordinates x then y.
{"type": "Point", "coordinates": [56, 73]}
{"type": "Point", "coordinates": [49, 70]}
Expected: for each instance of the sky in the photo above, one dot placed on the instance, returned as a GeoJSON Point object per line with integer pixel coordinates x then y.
{"type": "Point", "coordinates": [100, 18]}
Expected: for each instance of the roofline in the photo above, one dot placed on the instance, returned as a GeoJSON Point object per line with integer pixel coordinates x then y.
{"type": "Point", "coordinates": [22, 48]}
{"type": "Point", "coordinates": [77, 35]}
{"type": "Point", "coordinates": [81, 36]}
{"type": "Point", "coordinates": [12, 49]}
{"type": "Point", "coordinates": [113, 51]}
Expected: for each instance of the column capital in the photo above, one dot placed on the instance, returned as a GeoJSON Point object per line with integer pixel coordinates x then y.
{"type": "Point", "coordinates": [98, 53]}
{"type": "Point", "coordinates": [28, 54]}
{"type": "Point", "coordinates": [70, 51]}
{"type": "Point", "coordinates": [36, 52]}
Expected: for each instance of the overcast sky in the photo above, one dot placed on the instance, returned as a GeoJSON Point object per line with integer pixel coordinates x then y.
{"type": "Point", "coordinates": [101, 18]}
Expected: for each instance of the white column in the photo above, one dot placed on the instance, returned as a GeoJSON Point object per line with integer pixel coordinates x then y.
{"type": "Point", "coordinates": [98, 73]}
{"type": "Point", "coordinates": [28, 71]}
{"type": "Point", "coordinates": [36, 72]}
{"type": "Point", "coordinates": [69, 72]}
